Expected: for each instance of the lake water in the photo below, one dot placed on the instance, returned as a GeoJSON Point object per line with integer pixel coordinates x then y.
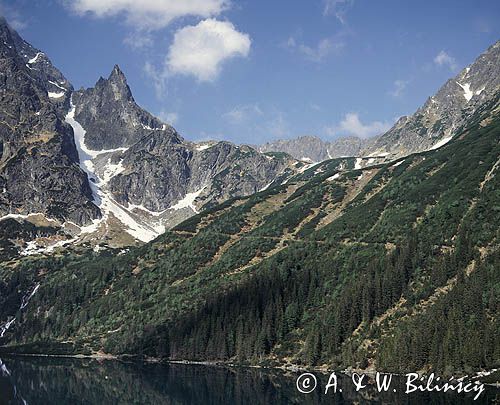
{"type": "Point", "coordinates": [60, 381]}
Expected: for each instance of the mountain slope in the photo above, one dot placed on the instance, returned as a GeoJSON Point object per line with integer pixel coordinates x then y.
{"type": "Point", "coordinates": [335, 267]}
{"type": "Point", "coordinates": [445, 113]}
{"type": "Point", "coordinates": [39, 170]}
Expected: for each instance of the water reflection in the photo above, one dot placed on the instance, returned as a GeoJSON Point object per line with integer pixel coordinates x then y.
{"type": "Point", "coordinates": [38, 380]}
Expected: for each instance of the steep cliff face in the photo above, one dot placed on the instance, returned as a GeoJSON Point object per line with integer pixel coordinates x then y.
{"type": "Point", "coordinates": [445, 113]}
{"type": "Point", "coordinates": [145, 175]}
{"type": "Point", "coordinates": [111, 117]}
{"type": "Point", "coordinates": [39, 170]}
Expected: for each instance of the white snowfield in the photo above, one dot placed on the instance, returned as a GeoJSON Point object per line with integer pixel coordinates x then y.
{"type": "Point", "coordinates": [468, 93]}
{"type": "Point", "coordinates": [202, 147]}
{"type": "Point", "coordinates": [138, 229]}
{"type": "Point", "coordinates": [35, 58]}
{"type": "Point", "coordinates": [357, 165]}
{"type": "Point", "coordinates": [442, 142]}
{"type": "Point", "coordinates": [335, 176]}
{"type": "Point", "coordinates": [57, 85]}
{"type": "Point", "coordinates": [56, 95]}
{"type": "Point", "coordinates": [188, 201]}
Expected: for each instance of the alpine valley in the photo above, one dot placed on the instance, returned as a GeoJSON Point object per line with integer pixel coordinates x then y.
{"type": "Point", "coordinates": [120, 237]}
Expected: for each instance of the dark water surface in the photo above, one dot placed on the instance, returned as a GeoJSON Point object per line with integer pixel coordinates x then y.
{"type": "Point", "coordinates": [61, 381]}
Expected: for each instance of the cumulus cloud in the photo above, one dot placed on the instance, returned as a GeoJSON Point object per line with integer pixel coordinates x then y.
{"type": "Point", "coordinates": [352, 125]}
{"type": "Point", "coordinates": [338, 8]}
{"type": "Point", "coordinates": [445, 59]}
{"type": "Point", "coordinates": [318, 52]}
{"type": "Point", "coordinates": [201, 50]}
{"type": "Point", "coordinates": [399, 88]}
{"type": "Point", "coordinates": [149, 14]}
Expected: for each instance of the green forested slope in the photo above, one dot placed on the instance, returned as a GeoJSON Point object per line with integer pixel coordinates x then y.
{"type": "Point", "coordinates": [394, 266]}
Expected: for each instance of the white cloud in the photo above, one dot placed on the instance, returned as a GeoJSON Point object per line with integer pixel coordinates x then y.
{"type": "Point", "coordinates": [261, 123]}
{"type": "Point", "coordinates": [12, 16]}
{"type": "Point", "coordinates": [149, 14]}
{"type": "Point", "coordinates": [200, 50]}
{"type": "Point", "coordinates": [352, 125]}
{"type": "Point", "coordinates": [318, 52]}
{"type": "Point", "coordinates": [242, 113]}
{"type": "Point", "coordinates": [138, 40]}
{"type": "Point", "coordinates": [399, 88]}
{"type": "Point", "coordinates": [158, 78]}
{"type": "Point", "coordinates": [169, 117]}
{"type": "Point", "coordinates": [338, 8]}
{"type": "Point", "coordinates": [445, 59]}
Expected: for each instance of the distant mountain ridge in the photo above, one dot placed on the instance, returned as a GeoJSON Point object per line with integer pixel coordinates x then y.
{"type": "Point", "coordinates": [315, 149]}
{"type": "Point", "coordinates": [431, 126]}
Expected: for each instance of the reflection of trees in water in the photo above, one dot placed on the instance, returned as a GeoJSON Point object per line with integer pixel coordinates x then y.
{"type": "Point", "coordinates": [71, 381]}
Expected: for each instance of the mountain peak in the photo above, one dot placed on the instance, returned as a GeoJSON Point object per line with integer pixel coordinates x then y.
{"type": "Point", "coordinates": [117, 73]}
{"type": "Point", "coordinates": [116, 85]}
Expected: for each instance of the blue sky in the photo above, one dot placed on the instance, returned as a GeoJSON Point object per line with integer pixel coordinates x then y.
{"type": "Point", "coordinates": [251, 71]}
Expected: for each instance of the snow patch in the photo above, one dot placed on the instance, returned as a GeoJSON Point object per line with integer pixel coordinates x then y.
{"type": "Point", "coordinates": [335, 176]}
{"type": "Point", "coordinates": [57, 85]}
{"type": "Point", "coordinates": [468, 93]}
{"type": "Point", "coordinates": [442, 142]}
{"type": "Point", "coordinates": [188, 201]}
{"type": "Point", "coordinates": [397, 163]}
{"type": "Point", "coordinates": [55, 95]}
{"type": "Point", "coordinates": [307, 167]}
{"type": "Point", "coordinates": [202, 147]}
{"type": "Point", "coordinates": [101, 198]}
{"type": "Point", "coordinates": [111, 170]}
{"type": "Point", "coordinates": [153, 129]}
{"type": "Point", "coordinates": [35, 58]}
{"type": "Point", "coordinates": [357, 165]}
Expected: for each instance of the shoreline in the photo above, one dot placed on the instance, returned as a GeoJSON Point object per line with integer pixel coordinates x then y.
{"type": "Point", "coordinates": [284, 368]}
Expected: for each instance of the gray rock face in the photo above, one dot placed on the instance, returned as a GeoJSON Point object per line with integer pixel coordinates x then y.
{"type": "Point", "coordinates": [39, 169]}
{"type": "Point", "coordinates": [313, 148]}
{"type": "Point", "coordinates": [150, 178]}
{"type": "Point", "coordinates": [158, 172]}
{"type": "Point", "coordinates": [446, 112]}
{"type": "Point", "coordinates": [111, 117]}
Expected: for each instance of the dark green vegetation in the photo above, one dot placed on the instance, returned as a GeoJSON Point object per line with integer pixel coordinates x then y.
{"type": "Point", "coordinates": [393, 266]}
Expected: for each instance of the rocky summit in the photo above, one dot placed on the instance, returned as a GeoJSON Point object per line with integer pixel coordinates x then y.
{"type": "Point", "coordinates": [95, 165]}
{"type": "Point", "coordinates": [446, 113]}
